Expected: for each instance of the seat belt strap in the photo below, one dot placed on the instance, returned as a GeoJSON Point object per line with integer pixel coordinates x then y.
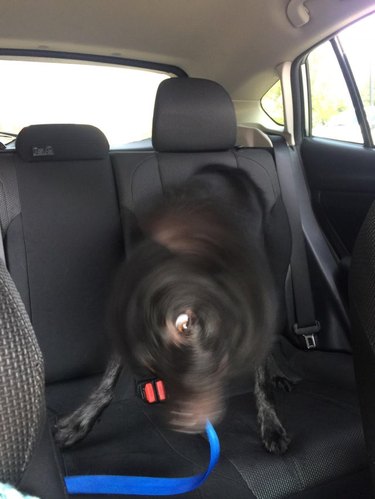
{"type": "Point", "coordinates": [138, 485]}
{"type": "Point", "coordinates": [306, 324]}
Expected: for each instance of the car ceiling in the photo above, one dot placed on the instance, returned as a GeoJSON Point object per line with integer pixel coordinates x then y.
{"type": "Point", "coordinates": [238, 43]}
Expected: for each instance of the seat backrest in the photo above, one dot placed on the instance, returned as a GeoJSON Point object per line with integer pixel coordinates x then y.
{"type": "Point", "coordinates": [22, 405]}
{"type": "Point", "coordinates": [362, 278]}
{"type": "Point", "coordinates": [194, 126]}
{"type": "Point", "coordinates": [65, 244]}
{"type": "Point", "coordinates": [362, 315]}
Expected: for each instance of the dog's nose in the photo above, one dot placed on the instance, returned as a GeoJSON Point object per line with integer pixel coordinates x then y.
{"type": "Point", "coordinates": [183, 323]}
{"type": "Point", "coordinates": [180, 327]}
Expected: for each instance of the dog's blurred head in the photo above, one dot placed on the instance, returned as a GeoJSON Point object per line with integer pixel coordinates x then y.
{"type": "Point", "coordinates": [194, 303]}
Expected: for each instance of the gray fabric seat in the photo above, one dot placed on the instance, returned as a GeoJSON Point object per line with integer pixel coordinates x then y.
{"type": "Point", "coordinates": [63, 247]}
{"type": "Point", "coordinates": [362, 308]}
{"type": "Point", "coordinates": [22, 384]}
{"type": "Point", "coordinates": [65, 244]}
{"type": "Point", "coordinates": [24, 436]}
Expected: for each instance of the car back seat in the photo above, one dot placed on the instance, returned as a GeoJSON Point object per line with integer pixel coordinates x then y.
{"type": "Point", "coordinates": [26, 447]}
{"type": "Point", "coordinates": [57, 233]}
{"type": "Point", "coordinates": [194, 125]}
{"type": "Point", "coordinates": [60, 222]}
{"type": "Point", "coordinates": [63, 243]}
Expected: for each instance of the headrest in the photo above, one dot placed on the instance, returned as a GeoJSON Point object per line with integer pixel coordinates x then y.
{"type": "Point", "coordinates": [61, 143]}
{"type": "Point", "coordinates": [193, 115]}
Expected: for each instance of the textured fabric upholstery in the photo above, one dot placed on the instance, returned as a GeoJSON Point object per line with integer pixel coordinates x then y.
{"type": "Point", "coordinates": [363, 277]}
{"type": "Point", "coordinates": [64, 250]}
{"type": "Point", "coordinates": [21, 384]}
{"type": "Point", "coordinates": [193, 114]}
{"type": "Point", "coordinates": [362, 310]}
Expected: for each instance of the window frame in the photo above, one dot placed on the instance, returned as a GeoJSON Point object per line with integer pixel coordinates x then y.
{"type": "Point", "coordinates": [100, 59]}
{"type": "Point", "coordinates": [353, 90]}
{"type": "Point", "coordinates": [40, 55]}
{"type": "Point", "coordinates": [303, 86]}
{"type": "Point", "coordinates": [282, 97]}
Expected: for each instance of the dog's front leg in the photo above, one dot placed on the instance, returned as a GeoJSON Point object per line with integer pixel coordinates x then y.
{"type": "Point", "coordinates": [272, 432]}
{"type": "Point", "coordinates": [69, 429]}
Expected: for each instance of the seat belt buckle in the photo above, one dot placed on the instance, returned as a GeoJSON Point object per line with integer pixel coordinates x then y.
{"type": "Point", "coordinates": [309, 334]}
{"type": "Point", "coordinates": [152, 391]}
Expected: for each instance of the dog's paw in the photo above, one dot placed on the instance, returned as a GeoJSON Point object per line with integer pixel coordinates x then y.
{"type": "Point", "coordinates": [275, 438]}
{"type": "Point", "coordinates": [70, 429]}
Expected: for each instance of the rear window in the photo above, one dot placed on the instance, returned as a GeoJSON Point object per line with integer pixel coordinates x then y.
{"type": "Point", "coordinates": [272, 103]}
{"type": "Point", "coordinates": [117, 99]}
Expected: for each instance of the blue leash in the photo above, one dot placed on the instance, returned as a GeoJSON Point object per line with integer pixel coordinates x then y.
{"type": "Point", "coordinates": [138, 485]}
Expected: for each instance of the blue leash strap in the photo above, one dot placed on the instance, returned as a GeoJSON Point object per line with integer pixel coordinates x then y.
{"type": "Point", "coordinates": [138, 485]}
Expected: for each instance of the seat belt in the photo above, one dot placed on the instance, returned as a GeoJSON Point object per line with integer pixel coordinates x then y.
{"type": "Point", "coordinates": [138, 485]}
{"type": "Point", "coordinates": [306, 325]}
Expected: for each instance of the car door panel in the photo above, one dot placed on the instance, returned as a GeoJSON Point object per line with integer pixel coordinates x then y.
{"type": "Point", "coordinates": [341, 178]}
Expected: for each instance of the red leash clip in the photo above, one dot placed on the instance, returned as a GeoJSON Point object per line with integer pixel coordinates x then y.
{"type": "Point", "coordinates": [152, 391]}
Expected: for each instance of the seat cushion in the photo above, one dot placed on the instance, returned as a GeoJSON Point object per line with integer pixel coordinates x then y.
{"type": "Point", "coordinates": [322, 419]}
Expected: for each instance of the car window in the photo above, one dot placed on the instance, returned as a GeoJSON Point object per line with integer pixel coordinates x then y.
{"type": "Point", "coordinates": [117, 99]}
{"type": "Point", "coordinates": [272, 103]}
{"type": "Point", "coordinates": [333, 114]}
{"type": "Point", "coordinates": [358, 42]}
{"type": "Point", "coordinates": [332, 111]}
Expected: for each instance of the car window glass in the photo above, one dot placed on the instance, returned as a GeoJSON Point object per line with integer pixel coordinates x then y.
{"type": "Point", "coordinates": [332, 111]}
{"type": "Point", "coordinates": [358, 42]}
{"type": "Point", "coordinates": [272, 103]}
{"type": "Point", "coordinates": [117, 99]}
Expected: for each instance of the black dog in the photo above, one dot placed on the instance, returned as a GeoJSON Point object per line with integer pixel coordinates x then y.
{"type": "Point", "coordinates": [196, 305]}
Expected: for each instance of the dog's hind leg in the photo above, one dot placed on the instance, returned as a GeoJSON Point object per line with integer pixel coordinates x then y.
{"type": "Point", "coordinates": [281, 374]}
{"type": "Point", "coordinates": [69, 429]}
{"type": "Point", "coordinates": [272, 432]}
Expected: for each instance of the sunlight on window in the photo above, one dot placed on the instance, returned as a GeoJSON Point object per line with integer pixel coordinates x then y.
{"type": "Point", "coordinates": [116, 99]}
{"type": "Point", "coordinates": [358, 41]}
{"type": "Point", "coordinates": [333, 114]}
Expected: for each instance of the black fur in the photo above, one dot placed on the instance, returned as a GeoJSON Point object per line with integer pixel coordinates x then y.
{"type": "Point", "coordinates": [203, 255]}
